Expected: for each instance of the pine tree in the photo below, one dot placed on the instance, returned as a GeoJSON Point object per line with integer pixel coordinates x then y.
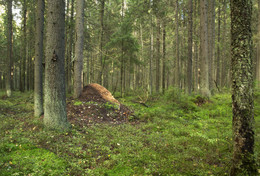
{"type": "Point", "coordinates": [9, 48]}
{"type": "Point", "coordinates": [38, 90]}
{"type": "Point", "coordinates": [78, 64]}
{"type": "Point", "coordinates": [55, 115]}
{"type": "Point", "coordinates": [242, 88]}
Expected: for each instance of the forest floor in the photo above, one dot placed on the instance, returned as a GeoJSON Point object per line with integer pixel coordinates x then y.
{"type": "Point", "coordinates": [175, 135]}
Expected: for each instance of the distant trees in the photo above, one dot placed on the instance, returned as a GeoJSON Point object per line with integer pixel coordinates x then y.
{"type": "Point", "coordinates": [242, 88]}
{"type": "Point", "coordinates": [131, 45]}
{"type": "Point", "coordinates": [55, 116]}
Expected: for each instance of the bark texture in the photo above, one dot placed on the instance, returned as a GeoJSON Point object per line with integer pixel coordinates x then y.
{"type": "Point", "coordinates": [258, 51]}
{"type": "Point", "coordinates": [242, 89]}
{"type": "Point", "coordinates": [55, 115]}
{"type": "Point", "coordinates": [38, 90]}
{"type": "Point", "coordinates": [78, 64]}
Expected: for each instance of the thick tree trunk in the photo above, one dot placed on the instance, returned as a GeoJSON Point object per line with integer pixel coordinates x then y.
{"type": "Point", "coordinates": [38, 89]}
{"type": "Point", "coordinates": [78, 64]}
{"type": "Point", "coordinates": [189, 63]}
{"type": "Point", "coordinates": [204, 60]}
{"type": "Point", "coordinates": [258, 51]}
{"type": "Point", "coordinates": [242, 89]}
{"type": "Point", "coordinates": [55, 115]}
{"type": "Point", "coordinates": [9, 49]}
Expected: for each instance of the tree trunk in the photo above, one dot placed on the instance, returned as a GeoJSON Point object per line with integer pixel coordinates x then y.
{"type": "Point", "coordinates": [177, 59]}
{"type": "Point", "coordinates": [196, 73]}
{"type": "Point", "coordinates": [55, 115]}
{"type": "Point", "coordinates": [258, 51]}
{"type": "Point", "coordinates": [122, 70]}
{"type": "Point", "coordinates": [70, 52]}
{"type": "Point", "coordinates": [78, 64]}
{"type": "Point", "coordinates": [224, 58]}
{"type": "Point", "coordinates": [158, 55]}
{"type": "Point", "coordinates": [164, 59]}
{"type": "Point", "coordinates": [88, 69]}
{"type": "Point", "coordinates": [204, 66]}
{"type": "Point", "coordinates": [218, 81]}
{"type": "Point", "coordinates": [102, 10]}
{"type": "Point", "coordinates": [9, 48]}
{"type": "Point", "coordinates": [242, 89]}
{"type": "Point", "coordinates": [24, 49]}
{"type": "Point", "coordinates": [38, 89]}
{"type": "Point", "coordinates": [151, 56]}
{"type": "Point", "coordinates": [189, 63]}
{"type": "Point", "coordinates": [211, 42]}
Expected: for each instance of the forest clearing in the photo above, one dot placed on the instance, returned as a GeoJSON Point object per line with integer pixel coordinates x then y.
{"type": "Point", "coordinates": [173, 136]}
{"type": "Point", "coordinates": [130, 87]}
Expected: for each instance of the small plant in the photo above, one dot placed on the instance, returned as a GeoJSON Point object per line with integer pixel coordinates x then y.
{"type": "Point", "coordinates": [77, 103]}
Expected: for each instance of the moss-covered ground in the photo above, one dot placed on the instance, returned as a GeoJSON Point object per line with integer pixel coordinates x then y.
{"type": "Point", "coordinates": [175, 135]}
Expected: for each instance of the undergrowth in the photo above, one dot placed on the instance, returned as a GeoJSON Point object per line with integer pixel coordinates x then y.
{"type": "Point", "coordinates": [175, 135]}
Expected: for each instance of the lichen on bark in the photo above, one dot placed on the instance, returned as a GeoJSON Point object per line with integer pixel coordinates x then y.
{"type": "Point", "coordinates": [243, 162]}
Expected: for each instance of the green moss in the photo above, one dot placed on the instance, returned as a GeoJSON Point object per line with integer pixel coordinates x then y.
{"type": "Point", "coordinates": [24, 159]}
{"type": "Point", "coordinates": [172, 137]}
